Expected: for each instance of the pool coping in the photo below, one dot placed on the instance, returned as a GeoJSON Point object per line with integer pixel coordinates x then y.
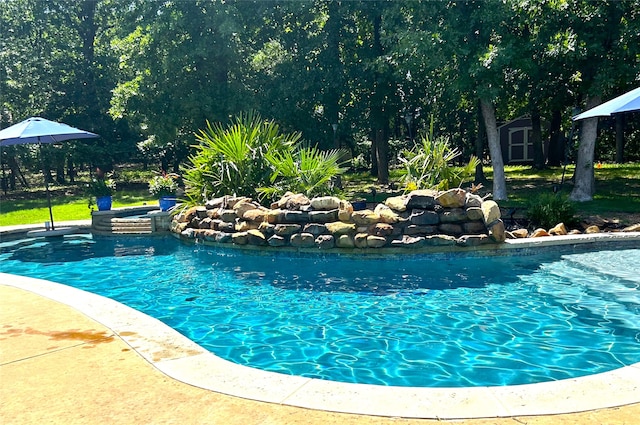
{"type": "Point", "coordinates": [182, 359]}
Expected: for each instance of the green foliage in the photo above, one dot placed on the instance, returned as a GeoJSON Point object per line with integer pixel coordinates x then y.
{"type": "Point", "coordinates": [304, 170]}
{"type": "Point", "coordinates": [164, 185]}
{"type": "Point", "coordinates": [428, 165]}
{"type": "Point", "coordinates": [548, 209]}
{"type": "Point", "coordinates": [233, 159]}
{"type": "Point", "coordinates": [101, 187]}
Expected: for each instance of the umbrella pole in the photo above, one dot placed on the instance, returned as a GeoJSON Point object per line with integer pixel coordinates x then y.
{"type": "Point", "coordinates": [46, 186]}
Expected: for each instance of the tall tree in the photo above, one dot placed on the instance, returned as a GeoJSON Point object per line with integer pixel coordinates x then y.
{"type": "Point", "coordinates": [606, 57]}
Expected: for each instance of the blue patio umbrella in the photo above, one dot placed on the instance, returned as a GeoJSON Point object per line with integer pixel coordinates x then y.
{"type": "Point", "coordinates": [627, 102]}
{"type": "Point", "coordinates": [38, 130]}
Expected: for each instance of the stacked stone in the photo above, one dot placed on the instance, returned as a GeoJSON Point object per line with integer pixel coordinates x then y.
{"type": "Point", "coordinates": [421, 218]}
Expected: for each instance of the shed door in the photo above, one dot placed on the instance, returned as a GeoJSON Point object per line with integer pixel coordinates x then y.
{"type": "Point", "coordinates": [520, 147]}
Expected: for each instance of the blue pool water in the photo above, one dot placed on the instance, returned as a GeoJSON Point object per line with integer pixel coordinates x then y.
{"type": "Point", "coordinates": [422, 320]}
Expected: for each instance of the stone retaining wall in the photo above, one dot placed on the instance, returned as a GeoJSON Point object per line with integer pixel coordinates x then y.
{"type": "Point", "coordinates": [419, 219]}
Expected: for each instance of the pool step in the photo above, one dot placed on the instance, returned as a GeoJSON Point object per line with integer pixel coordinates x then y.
{"type": "Point", "coordinates": [124, 226]}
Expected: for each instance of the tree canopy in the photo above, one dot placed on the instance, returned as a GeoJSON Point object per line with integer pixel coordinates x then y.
{"type": "Point", "coordinates": [367, 76]}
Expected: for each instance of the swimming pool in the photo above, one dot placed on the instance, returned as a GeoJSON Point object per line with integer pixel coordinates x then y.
{"type": "Point", "coordinates": [442, 320]}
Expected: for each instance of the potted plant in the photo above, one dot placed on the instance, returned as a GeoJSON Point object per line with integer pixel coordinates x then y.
{"type": "Point", "coordinates": [101, 189]}
{"type": "Point", "coordinates": [164, 186]}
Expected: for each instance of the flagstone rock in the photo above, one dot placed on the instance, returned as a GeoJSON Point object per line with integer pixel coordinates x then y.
{"type": "Point", "coordinates": [325, 203]}
{"type": "Point", "coordinates": [286, 229]}
{"type": "Point", "coordinates": [472, 201]}
{"type": "Point", "coordinates": [454, 215]}
{"type": "Point", "coordinates": [423, 199]}
{"type": "Point", "coordinates": [387, 215]}
{"type": "Point", "coordinates": [323, 216]}
{"type": "Point", "coordinates": [475, 213]}
{"type": "Point", "coordinates": [632, 228]}
{"type": "Point", "coordinates": [440, 240]}
{"type": "Point", "coordinates": [539, 233]}
{"type": "Point", "coordinates": [325, 241]}
{"type": "Point", "coordinates": [223, 237]}
{"type": "Point", "coordinates": [558, 230]}
{"type": "Point", "coordinates": [275, 216]}
{"type": "Point", "coordinates": [345, 241]}
{"type": "Point", "coordinates": [302, 240]}
{"type": "Point", "coordinates": [413, 242]}
{"type": "Point", "coordinates": [240, 238]}
{"type": "Point", "coordinates": [450, 229]}
{"type": "Point", "coordinates": [345, 209]}
{"type": "Point", "coordinates": [341, 228]}
{"type": "Point", "coordinates": [497, 231]}
{"type": "Point", "coordinates": [315, 229]}
{"type": "Point", "coordinates": [471, 240]}
{"type": "Point", "coordinates": [454, 198]}
{"type": "Point", "coordinates": [277, 241]}
{"type": "Point", "coordinates": [376, 241]}
{"type": "Point", "coordinates": [266, 228]}
{"type": "Point", "coordinates": [490, 211]}
{"type": "Point", "coordinates": [365, 217]}
{"type": "Point", "coordinates": [296, 216]}
{"type": "Point", "coordinates": [256, 214]}
{"type": "Point", "coordinates": [255, 237]}
{"type": "Point", "coordinates": [205, 223]}
{"type": "Point", "coordinates": [520, 233]}
{"type": "Point", "coordinates": [381, 229]}
{"type": "Point", "coordinates": [473, 227]}
{"type": "Point", "coordinates": [228, 227]}
{"type": "Point", "coordinates": [420, 230]}
{"type": "Point", "coordinates": [592, 229]}
{"type": "Point", "coordinates": [360, 240]}
{"type": "Point", "coordinates": [424, 217]}
{"type": "Point", "coordinates": [228, 215]}
{"type": "Point", "coordinates": [243, 226]}
{"type": "Point", "coordinates": [397, 203]}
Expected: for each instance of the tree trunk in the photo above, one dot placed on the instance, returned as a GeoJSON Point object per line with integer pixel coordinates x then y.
{"type": "Point", "coordinates": [499, 182]}
{"type": "Point", "coordinates": [619, 138]}
{"type": "Point", "coordinates": [555, 155]}
{"type": "Point", "coordinates": [480, 177]}
{"type": "Point", "coordinates": [584, 179]}
{"type": "Point", "coordinates": [382, 145]}
{"type": "Point", "coordinates": [536, 135]}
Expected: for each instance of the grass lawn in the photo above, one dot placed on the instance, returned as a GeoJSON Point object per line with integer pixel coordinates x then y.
{"type": "Point", "coordinates": [32, 208]}
{"type": "Point", "coordinates": [617, 194]}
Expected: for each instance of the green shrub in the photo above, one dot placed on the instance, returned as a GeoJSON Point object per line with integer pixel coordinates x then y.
{"type": "Point", "coordinates": [428, 165]}
{"type": "Point", "coordinates": [549, 209]}
{"type": "Point", "coordinates": [232, 160]}
{"type": "Point", "coordinates": [303, 170]}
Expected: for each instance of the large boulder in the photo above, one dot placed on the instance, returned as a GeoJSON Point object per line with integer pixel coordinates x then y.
{"type": "Point", "coordinates": [454, 215]}
{"type": "Point", "coordinates": [286, 229]}
{"type": "Point", "coordinates": [365, 217]}
{"type": "Point", "coordinates": [325, 203]}
{"type": "Point", "coordinates": [454, 198]}
{"type": "Point", "coordinates": [303, 240]}
{"type": "Point", "coordinates": [424, 218]}
{"type": "Point", "coordinates": [387, 215]}
{"type": "Point", "coordinates": [397, 203]}
{"type": "Point", "coordinates": [558, 230]}
{"type": "Point", "coordinates": [325, 241]}
{"type": "Point", "coordinates": [345, 241]}
{"type": "Point", "coordinates": [424, 199]}
{"type": "Point", "coordinates": [341, 228]}
{"type": "Point", "coordinates": [291, 201]}
{"type": "Point", "coordinates": [324, 216]}
{"type": "Point", "coordinates": [490, 212]}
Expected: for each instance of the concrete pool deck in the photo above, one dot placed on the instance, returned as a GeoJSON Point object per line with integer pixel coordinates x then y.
{"type": "Point", "coordinates": [75, 357]}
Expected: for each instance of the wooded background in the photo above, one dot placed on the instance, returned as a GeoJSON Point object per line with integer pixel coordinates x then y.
{"type": "Point", "coordinates": [368, 76]}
